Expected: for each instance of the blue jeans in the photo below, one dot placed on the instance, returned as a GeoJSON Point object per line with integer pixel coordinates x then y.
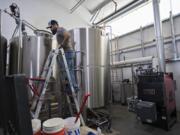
{"type": "Point", "coordinates": [70, 57]}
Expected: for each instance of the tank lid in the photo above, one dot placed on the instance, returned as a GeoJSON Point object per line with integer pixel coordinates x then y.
{"type": "Point", "coordinates": [43, 33]}
{"type": "Point", "coordinates": [53, 125]}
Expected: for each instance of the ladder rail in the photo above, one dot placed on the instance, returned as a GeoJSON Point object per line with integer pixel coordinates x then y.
{"type": "Point", "coordinates": [71, 85]}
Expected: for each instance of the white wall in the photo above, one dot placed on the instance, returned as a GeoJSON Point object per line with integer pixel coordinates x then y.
{"type": "Point", "coordinates": [134, 38]}
{"type": "Point", "coordinates": [38, 13]}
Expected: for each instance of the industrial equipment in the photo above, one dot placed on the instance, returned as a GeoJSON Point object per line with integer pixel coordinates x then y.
{"type": "Point", "coordinates": [20, 24]}
{"type": "Point", "coordinates": [99, 118]}
{"type": "Point", "coordinates": [156, 89]}
{"type": "Point", "coordinates": [92, 73]}
{"type": "Point", "coordinates": [92, 64]}
{"type": "Point", "coordinates": [156, 95]}
{"type": "Point", "coordinates": [15, 11]}
{"type": "Point", "coordinates": [3, 53]}
{"type": "Point", "coordinates": [146, 111]}
{"type": "Point", "coordinates": [132, 103]}
{"type": "Point", "coordinates": [126, 90]}
{"type": "Point", "coordinates": [34, 53]}
{"type": "Point", "coordinates": [127, 86]}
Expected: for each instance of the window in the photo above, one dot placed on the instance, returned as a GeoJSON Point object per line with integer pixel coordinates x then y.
{"type": "Point", "coordinates": [142, 16]}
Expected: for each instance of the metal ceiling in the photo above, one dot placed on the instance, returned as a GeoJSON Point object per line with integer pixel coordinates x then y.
{"type": "Point", "coordinates": [104, 10]}
{"type": "Point", "coordinates": [122, 10]}
{"type": "Point", "coordinates": [93, 5]}
{"type": "Point", "coordinates": [101, 9]}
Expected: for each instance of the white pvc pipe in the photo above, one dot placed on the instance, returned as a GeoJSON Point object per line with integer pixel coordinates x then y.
{"type": "Point", "coordinates": [133, 61]}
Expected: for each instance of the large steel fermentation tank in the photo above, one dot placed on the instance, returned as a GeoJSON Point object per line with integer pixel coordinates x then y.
{"type": "Point", "coordinates": [33, 53]}
{"type": "Point", "coordinates": [3, 54]}
{"type": "Point", "coordinates": [92, 62]}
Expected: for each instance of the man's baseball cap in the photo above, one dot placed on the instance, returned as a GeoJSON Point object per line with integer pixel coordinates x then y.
{"type": "Point", "coordinates": [13, 5]}
{"type": "Point", "coordinates": [51, 22]}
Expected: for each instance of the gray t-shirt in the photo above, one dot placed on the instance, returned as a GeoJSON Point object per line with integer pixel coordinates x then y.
{"type": "Point", "coordinates": [60, 37]}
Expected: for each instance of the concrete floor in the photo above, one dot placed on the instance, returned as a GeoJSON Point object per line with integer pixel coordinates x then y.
{"type": "Point", "coordinates": [126, 123]}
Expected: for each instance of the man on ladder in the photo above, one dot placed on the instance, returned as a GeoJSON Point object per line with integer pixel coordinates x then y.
{"type": "Point", "coordinates": [64, 40]}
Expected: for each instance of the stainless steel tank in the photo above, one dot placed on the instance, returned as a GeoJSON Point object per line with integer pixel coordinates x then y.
{"type": "Point", "coordinates": [92, 61]}
{"type": "Point", "coordinates": [34, 53]}
{"type": "Point", "coordinates": [3, 54]}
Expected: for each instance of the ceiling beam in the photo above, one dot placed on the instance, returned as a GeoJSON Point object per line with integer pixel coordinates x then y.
{"type": "Point", "coordinates": [79, 3]}
{"type": "Point", "coordinates": [101, 5]}
{"type": "Point", "coordinates": [121, 11]}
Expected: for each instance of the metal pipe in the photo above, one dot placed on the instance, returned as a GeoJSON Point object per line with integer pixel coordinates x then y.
{"type": "Point", "coordinates": [172, 60]}
{"type": "Point", "coordinates": [109, 61]}
{"type": "Point", "coordinates": [115, 4]}
{"type": "Point", "coordinates": [95, 16]}
{"type": "Point", "coordinates": [132, 72]}
{"type": "Point", "coordinates": [159, 37]}
{"type": "Point", "coordinates": [1, 60]}
{"type": "Point", "coordinates": [20, 45]}
{"type": "Point", "coordinates": [122, 10]}
{"type": "Point", "coordinates": [15, 31]}
{"type": "Point", "coordinates": [110, 42]}
{"type": "Point", "coordinates": [175, 50]}
{"type": "Point", "coordinates": [19, 26]}
{"type": "Point", "coordinates": [0, 24]}
{"type": "Point", "coordinates": [29, 25]}
{"type": "Point", "coordinates": [132, 61]}
{"type": "Point", "coordinates": [129, 65]}
{"type": "Point", "coordinates": [76, 6]}
{"type": "Point", "coordinates": [142, 41]}
{"type": "Point", "coordinates": [146, 45]}
{"type": "Point", "coordinates": [22, 21]}
{"type": "Point", "coordinates": [101, 5]}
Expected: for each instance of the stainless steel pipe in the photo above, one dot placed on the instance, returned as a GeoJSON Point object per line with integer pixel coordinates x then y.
{"type": "Point", "coordinates": [159, 37]}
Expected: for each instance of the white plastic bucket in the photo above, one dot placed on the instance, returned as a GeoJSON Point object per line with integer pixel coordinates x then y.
{"type": "Point", "coordinates": [72, 128]}
{"type": "Point", "coordinates": [54, 126]}
{"type": "Point", "coordinates": [36, 126]}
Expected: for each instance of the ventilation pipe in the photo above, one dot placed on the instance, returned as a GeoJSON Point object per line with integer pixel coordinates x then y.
{"type": "Point", "coordinates": [159, 37]}
{"type": "Point", "coordinates": [133, 61]}
{"type": "Point", "coordinates": [175, 49]}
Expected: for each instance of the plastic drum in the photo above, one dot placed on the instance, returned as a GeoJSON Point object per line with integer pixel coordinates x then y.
{"type": "Point", "coordinates": [72, 128]}
{"type": "Point", "coordinates": [54, 126]}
